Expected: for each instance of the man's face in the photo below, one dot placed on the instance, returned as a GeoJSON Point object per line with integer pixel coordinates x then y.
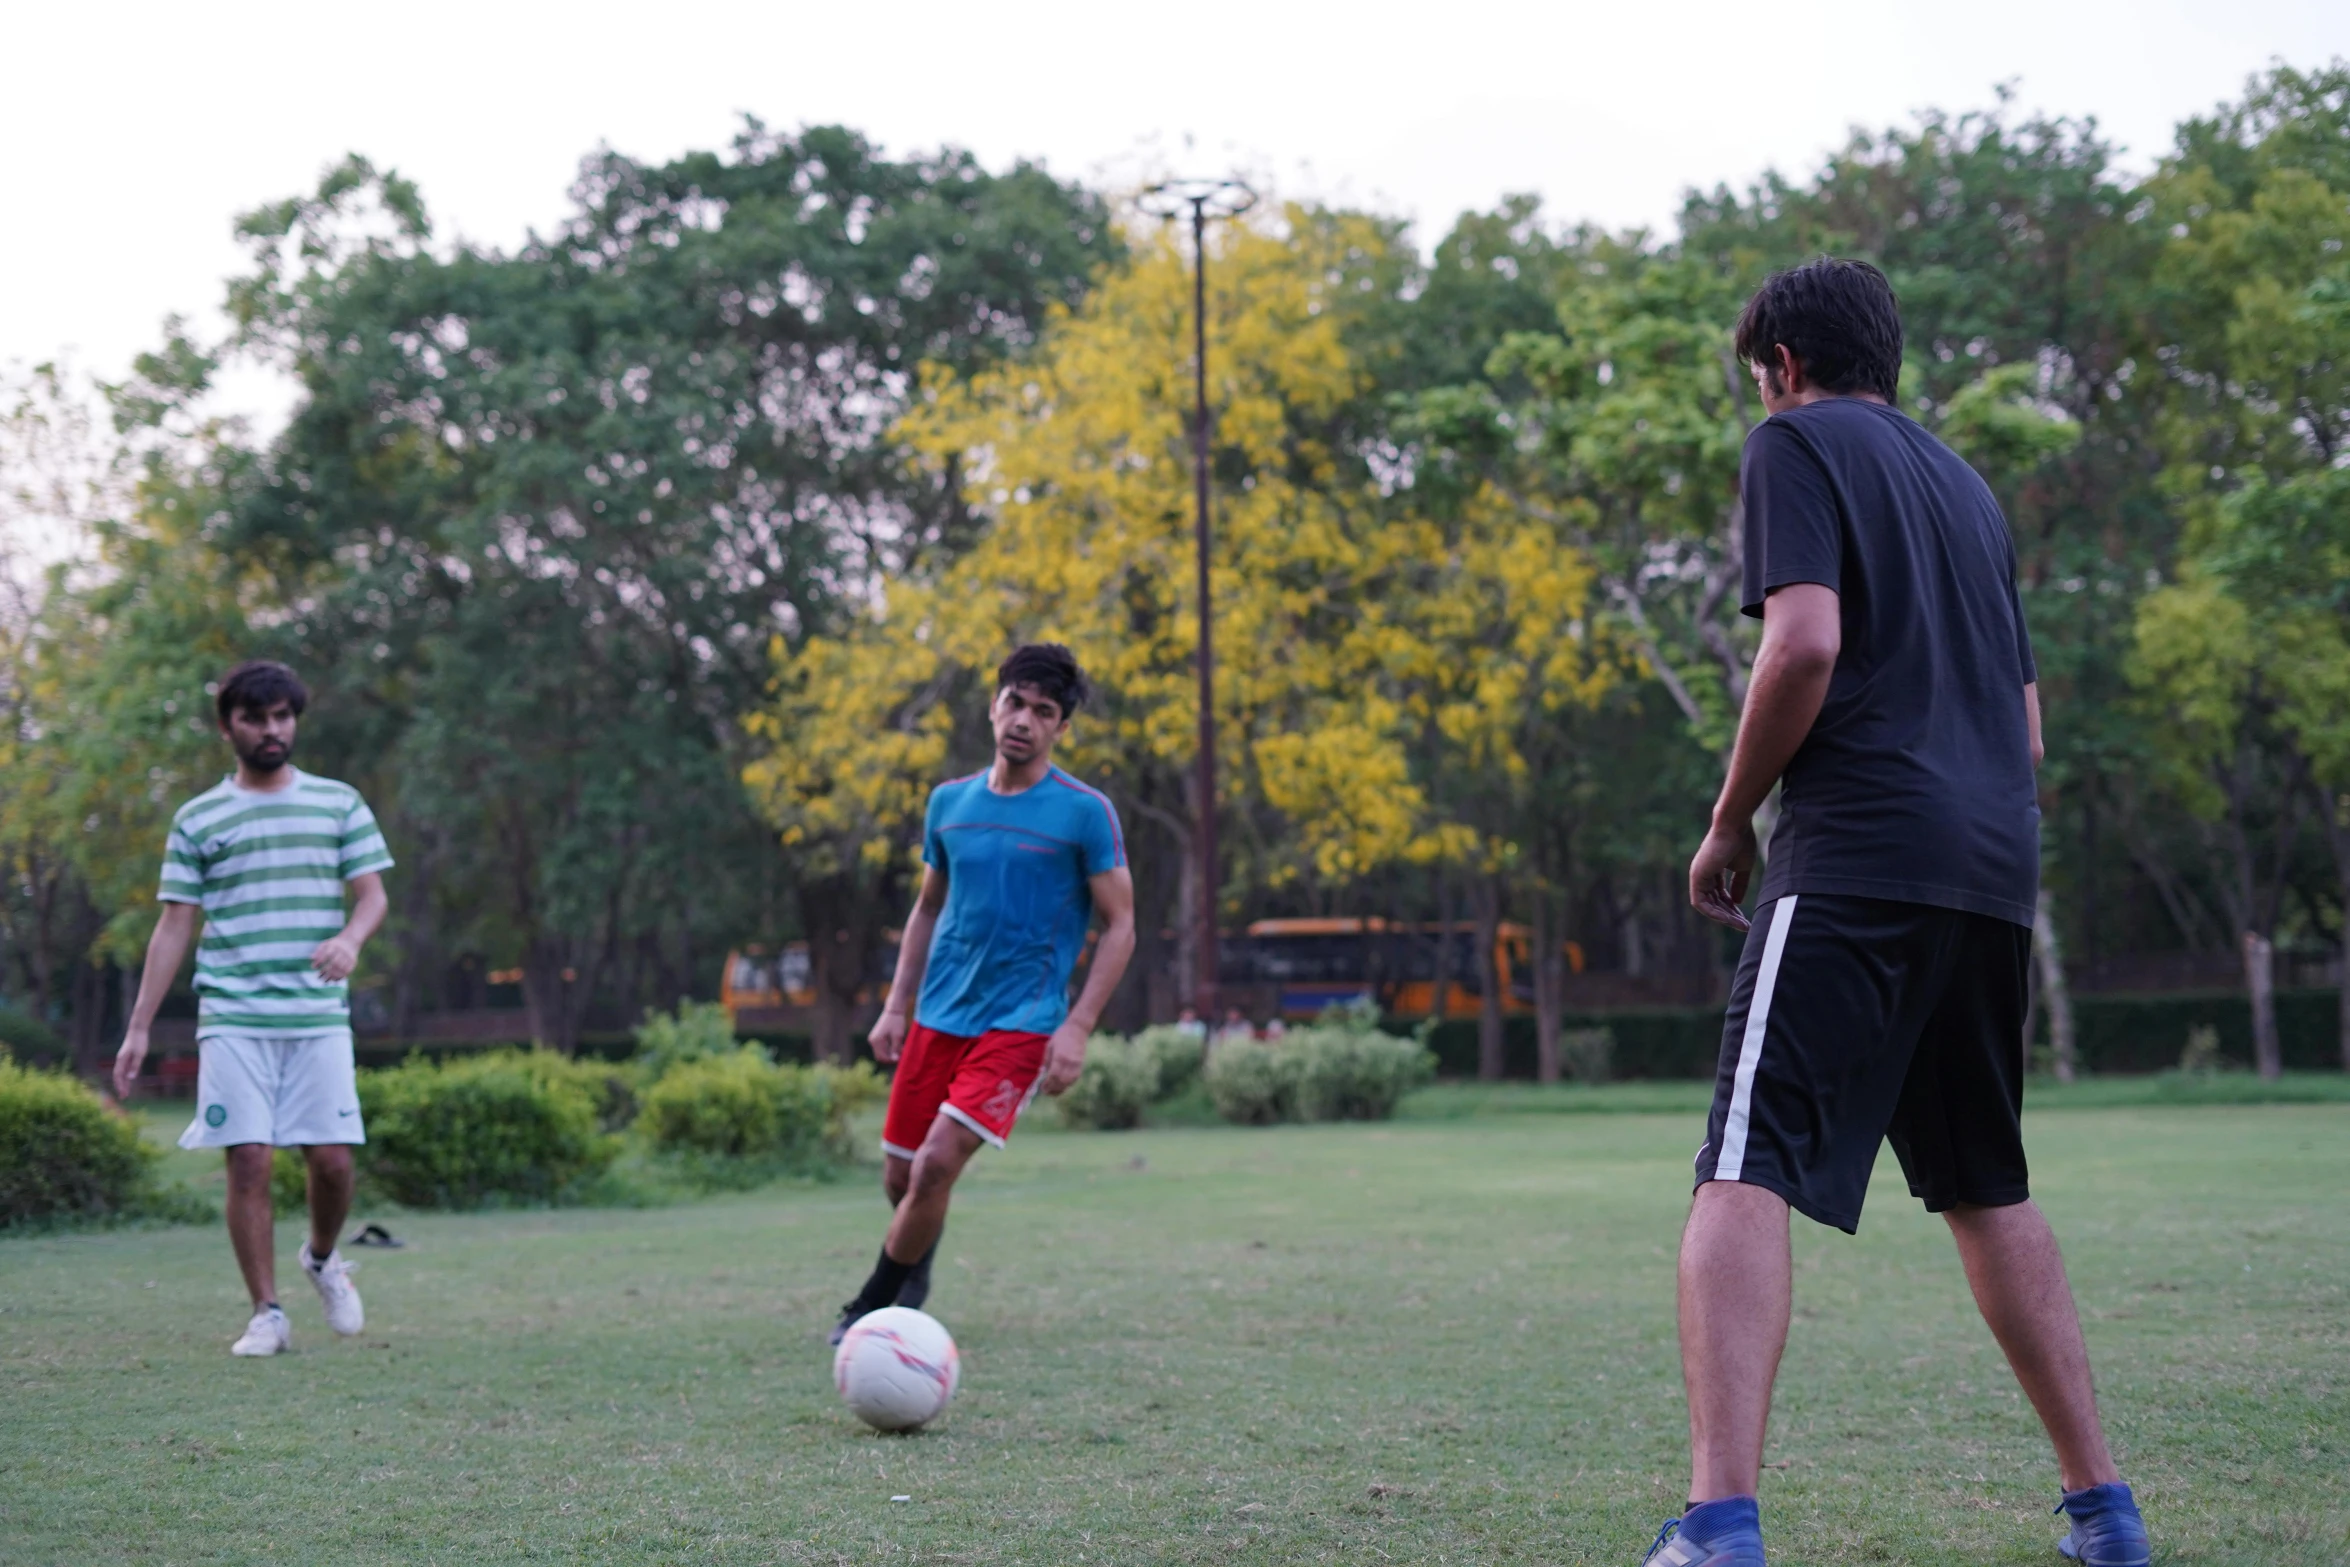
{"type": "Point", "coordinates": [1027, 722]}
{"type": "Point", "coordinates": [262, 737]}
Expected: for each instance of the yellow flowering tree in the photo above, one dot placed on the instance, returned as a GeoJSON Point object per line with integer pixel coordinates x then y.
{"type": "Point", "coordinates": [1364, 648]}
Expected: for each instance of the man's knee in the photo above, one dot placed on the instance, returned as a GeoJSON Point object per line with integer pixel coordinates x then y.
{"type": "Point", "coordinates": [329, 1161]}
{"type": "Point", "coordinates": [249, 1163]}
{"type": "Point", "coordinates": [939, 1163]}
{"type": "Point", "coordinates": [896, 1176]}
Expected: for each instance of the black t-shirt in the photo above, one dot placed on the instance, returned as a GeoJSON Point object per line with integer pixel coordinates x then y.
{"type": "Point", "coordinates": [1915, 783]}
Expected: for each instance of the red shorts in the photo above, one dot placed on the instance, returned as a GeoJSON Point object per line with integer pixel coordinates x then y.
{"type": "Point", "coordinates": [983, 1082]}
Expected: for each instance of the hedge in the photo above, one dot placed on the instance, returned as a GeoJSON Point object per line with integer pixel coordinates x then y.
{"type": "Point", "coordinates": [65, 1156]}
{"type": "Point", "coordinates": [509, 1126]}
{"type": "Point", "coordinates": [2115, 1033]}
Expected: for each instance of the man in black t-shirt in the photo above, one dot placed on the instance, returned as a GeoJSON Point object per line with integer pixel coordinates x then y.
{"type": "Point", "coordinates": [1881, 994]}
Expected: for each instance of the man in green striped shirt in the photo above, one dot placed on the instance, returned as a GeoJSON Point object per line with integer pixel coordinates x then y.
{"type": "Point", "coordinates": [259, 863]}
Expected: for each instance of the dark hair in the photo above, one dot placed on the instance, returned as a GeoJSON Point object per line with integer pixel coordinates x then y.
{"type": "Point", "coordinates": [259, 684]}
{"type": "Point", "coordinates": [1051, 669]}
{"type": "Point", "coordinates": [1839, 319]}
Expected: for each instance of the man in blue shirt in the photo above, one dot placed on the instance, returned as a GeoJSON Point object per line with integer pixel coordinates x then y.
{"type": "Point", "coordinates": [1016, 861]}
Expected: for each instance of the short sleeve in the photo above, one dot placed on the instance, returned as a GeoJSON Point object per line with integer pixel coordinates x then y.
{"type": "Point", "coordinates": [183, 868]}
{"type": "Point", "coordinates": [363, 847]}
{"type": "Point", "coordinates": [1793, 533]}
{"type": "Point", "coordinates": [934, 843]}
{"type": "Point", "coordinates": [1105, 844]}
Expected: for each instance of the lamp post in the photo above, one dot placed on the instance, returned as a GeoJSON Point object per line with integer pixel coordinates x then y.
{"type": "Point", "coordinates": [1203, 199]}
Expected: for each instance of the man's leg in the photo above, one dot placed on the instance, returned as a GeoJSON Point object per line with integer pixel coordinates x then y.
{"type": "Point", "coordinates": [1736, 1287]}
{"type": "Point", "coordinates": [922, 1215]}
{"type": "Point", "coordinates": [920, 1196]}
{"type": "Point", "coordinates": [251, 1218]}
{"type": "Point", "coordinates": [897, 1175]}
{"type": "Point", "coordinates": [2017, 1272]}
{"type": "Point", "coordinates": [330, 1194]}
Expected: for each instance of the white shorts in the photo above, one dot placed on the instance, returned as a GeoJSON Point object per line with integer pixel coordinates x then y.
{"type": "Point", "coordinates": [291, 1093]}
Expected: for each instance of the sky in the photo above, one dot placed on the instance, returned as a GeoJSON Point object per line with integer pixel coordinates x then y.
{"type": "Point", "coordinates": [136, 132]}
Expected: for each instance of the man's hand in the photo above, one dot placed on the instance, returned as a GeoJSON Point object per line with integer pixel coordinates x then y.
{"type": "Point", "coordinates": [888, 1036]}
{"type": "Point", "coordinates": [1717, 876]}
{"type": "Point", "coordinates": [1064, 1058]}
{"type": "Point", "coordinates": [129, 1059]}
{"type": "Point", "coordinates": [336, 957]}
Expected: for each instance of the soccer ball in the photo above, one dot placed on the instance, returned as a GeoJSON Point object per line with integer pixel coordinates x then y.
{"type": "Point", "coordinates": [896, 1368]}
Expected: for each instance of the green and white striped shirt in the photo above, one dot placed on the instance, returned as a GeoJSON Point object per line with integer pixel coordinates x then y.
{"type": "Point", "coordinates": [268, 868]}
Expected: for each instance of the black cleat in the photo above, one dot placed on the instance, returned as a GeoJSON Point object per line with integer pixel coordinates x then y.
{"type": "Point", "coordinates": [850, 1314]}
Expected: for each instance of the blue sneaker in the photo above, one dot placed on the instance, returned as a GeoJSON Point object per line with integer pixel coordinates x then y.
{"type": "Point", "coordinates": [2107, 1531]}
{"type": "Point", "coordinates": [1727, 1533]}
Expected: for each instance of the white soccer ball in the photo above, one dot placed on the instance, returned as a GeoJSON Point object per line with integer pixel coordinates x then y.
{"type": "Point", "coordinates": [896, 1368]}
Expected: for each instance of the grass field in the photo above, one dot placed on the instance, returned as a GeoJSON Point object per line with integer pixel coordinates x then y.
{"type": "Point", "coordinates": [1447, 1339]}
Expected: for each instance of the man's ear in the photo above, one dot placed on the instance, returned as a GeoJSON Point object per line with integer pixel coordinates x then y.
{"type": "Point", "coordinates": [1787, 368]}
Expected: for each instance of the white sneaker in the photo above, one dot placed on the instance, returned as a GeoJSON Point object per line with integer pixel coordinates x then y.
{"type": "Point", "coordinates": [269, 1333]}
{"type": "Point", "coordinates": [333, 1277]}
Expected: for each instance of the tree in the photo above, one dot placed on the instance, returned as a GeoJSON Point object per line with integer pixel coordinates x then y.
{"type": "Point", "coordinates": [2256, 422]}
{"type": "Point", "coordinates": [558, 503]}
{"type": "Point", "coordinates": [2281, 555]}
{"type": "Point", "coordinates": [1357, 635]}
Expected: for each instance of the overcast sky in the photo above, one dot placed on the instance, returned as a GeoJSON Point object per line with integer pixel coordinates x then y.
{"type": "Point", "coordinates": [135, 132]}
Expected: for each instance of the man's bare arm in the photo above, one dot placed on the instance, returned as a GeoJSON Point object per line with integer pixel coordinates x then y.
{"type": "Point", "coordinates": [2032, 721]}
{"type": "Point", "coordinates": [338, 955]}
{"type": "Point", "coordinates": [889, 1030]}
{"type": "Point", "coordinates": [1113, 899]}
{"type": "Point", "coordinates": [167, 949]}
{"type": "Point", "coordinates": [1803, 631]}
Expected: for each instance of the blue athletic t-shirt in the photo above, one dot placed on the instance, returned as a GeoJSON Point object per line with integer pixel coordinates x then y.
{"type": "Point", "coordinates": [1018, 903]}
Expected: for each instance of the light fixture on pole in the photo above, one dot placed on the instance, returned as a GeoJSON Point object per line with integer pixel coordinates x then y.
{"type": "Point", "coordinates": [1202, 199]}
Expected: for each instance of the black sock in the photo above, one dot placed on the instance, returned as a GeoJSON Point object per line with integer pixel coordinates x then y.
{"type": "Point", "coordinates": [881, 1289]}
{"type": "Point", "coordinates": [270, 1305]}
{"type": "Point", "coordinates": [916, 1289]}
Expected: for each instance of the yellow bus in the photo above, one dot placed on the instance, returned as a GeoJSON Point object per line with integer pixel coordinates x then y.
{"type": "Point", "coordinates": [1317, 962]}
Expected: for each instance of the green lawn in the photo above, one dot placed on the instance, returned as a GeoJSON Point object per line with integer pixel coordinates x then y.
{"type": "Point", "coordinates": [1449, 1339]}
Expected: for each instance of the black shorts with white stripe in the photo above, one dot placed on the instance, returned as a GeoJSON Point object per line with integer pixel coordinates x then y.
{"type": "Point", "coordinates": [1860, 1019]}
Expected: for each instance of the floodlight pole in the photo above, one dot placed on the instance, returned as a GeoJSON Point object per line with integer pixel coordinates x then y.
{"type": "Point", "coordinates": [1223, 199]}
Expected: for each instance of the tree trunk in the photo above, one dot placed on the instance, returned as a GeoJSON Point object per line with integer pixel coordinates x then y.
{"type": "Point", "coordinates": [2048, 958]}
{"type": "Point", "coordinates": [1187, 896]}
{"type": "Point", "coordinates": [1549, 991]}
{"type": "Point", "coordinates": [2260, 983]}
{"type": "Point", "coordinates": [88, 1037]}
{"type": "Point", "coordinates": [1440, 989]}
{"type": "Point", "coordinates": [547, 979]}
{"type": "Point", "coordinates": [835, 1027]}
{"type": "Point", "coordinates": [1489, 1040]}
{"type": "Point", "coordinates": [2336, 816]}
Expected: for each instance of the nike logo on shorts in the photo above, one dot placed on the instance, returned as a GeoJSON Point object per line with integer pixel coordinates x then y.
{"type": "Point", "coordinates": [354, 1110]}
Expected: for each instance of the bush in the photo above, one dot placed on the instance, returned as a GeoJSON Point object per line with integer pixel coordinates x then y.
{"type": "Point", "coordinates": [1355, 1075]}
{"type": "Point", "coordinates": [742, 1106]}
{"type": "Point", "coordinates": [1121, 1077]}
{"type": "Point", "coordinates": [27, 1038]}
{"type": "Point", "coordinates": [65, 1156]}
{"type": "Point", "coordinates": [1177, 1052]}
{"type": "Point", "coordinates": [1253, 1083]}
{"type": "Point", "coordinates": [696, 1031]}
{"type": "Point", "coordinates": [1588, 1054]}
{"type": "Point", "coordinates": [511, 1125]}
{"type": "Point", "coordinates": [1324, 1073]}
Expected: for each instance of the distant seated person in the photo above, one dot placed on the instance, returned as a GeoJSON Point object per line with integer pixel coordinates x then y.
{"type": "Point", "coordinates": [1236, 1025]}
{"type": "Point", "coordinates": [1276, 1029]}
{"type": "Point", "coordinates": [1192, 1023]}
